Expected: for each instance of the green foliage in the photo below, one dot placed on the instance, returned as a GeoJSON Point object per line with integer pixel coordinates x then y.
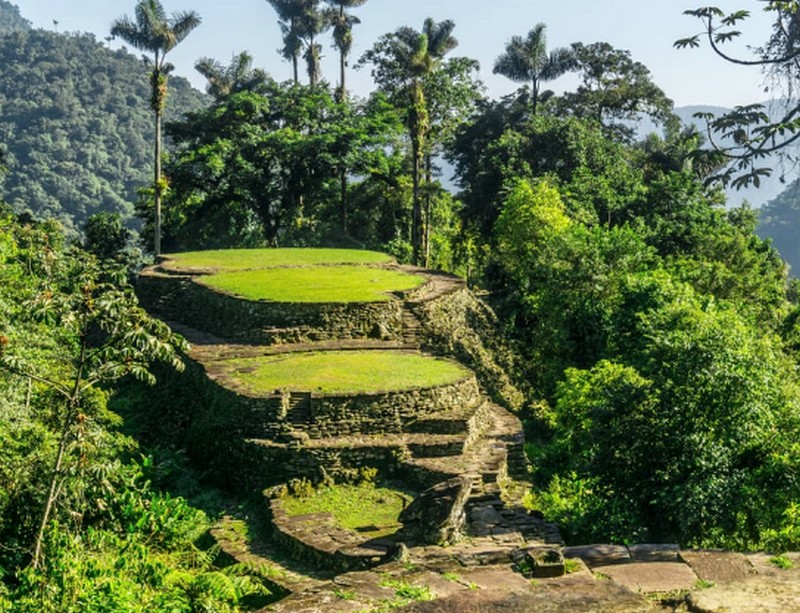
{"type": "Point", "coordinates": [745, 137]}
{"type": "Point", "coordinates": [106, 236]}
{"type": "Point", "coordinates": [11, 20]}
{"type": "Point", "coordinates": [590, 171]}
{"type": "Point", "coordinates": [781, 562]}
{"type": "Point", "coordinates": [100, 536]}
{"type": "Point", "coordinates": [78, 145]}
{"type": "Point", "coordinates": [615, 91]}
{"type": "Point", "coordinates": [262, 169]}
{"type": "Point", "coordinates": [673, 439]}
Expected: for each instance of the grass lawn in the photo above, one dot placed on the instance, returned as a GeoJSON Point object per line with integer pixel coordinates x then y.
{"type": "Point", "coordinates": [344, 371]}
{"type": "Point", "coordinates": [238, 259]}
{"type": "Point", "coordinates": [366, 508]}
{"type": "Point", "coordinates": [314, 284]}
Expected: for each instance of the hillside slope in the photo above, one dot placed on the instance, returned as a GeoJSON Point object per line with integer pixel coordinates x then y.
{"type": "Point", "coordinates": [75, 119]}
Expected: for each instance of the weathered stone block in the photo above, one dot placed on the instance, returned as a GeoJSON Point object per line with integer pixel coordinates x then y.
{"type": "Point", "coordinates": [437, 516]}
{"type": "Point", "coordinates": [545, 562]}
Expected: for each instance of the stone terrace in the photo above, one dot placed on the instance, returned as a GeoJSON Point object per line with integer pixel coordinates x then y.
{"type": "Point", "coordinates": [420, 436]}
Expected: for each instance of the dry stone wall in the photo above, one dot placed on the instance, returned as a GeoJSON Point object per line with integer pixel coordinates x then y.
{"type": "Point", "coordinates": [182, 298]}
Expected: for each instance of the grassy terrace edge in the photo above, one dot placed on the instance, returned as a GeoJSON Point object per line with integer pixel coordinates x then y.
{"type": "Point", "coordinates": [248, 259]}
{"type": "Point", "coordinates": [346, 283]}
{"type": "Point", "coordinates": [344, 372]}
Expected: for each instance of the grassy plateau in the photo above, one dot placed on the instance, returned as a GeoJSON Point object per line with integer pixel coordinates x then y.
{"type": "Point", "coordinates": [344, 283]}
{"type": "Point", "coordinates": [241, 259]}
{"type": "Point", "coordinates": [334, 372]}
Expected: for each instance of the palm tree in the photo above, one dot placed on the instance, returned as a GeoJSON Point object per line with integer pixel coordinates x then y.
{"type": "Point", "coordinates": [418, 54]}
{"type": "Point", "coordinates": [343, 35]}
{"type": "Point", "coordinates": [526, 60]}
{"type": "Point", "coordinates": [238, 76]}
{"type": "Point", "coordinates": [301, 21]}
{"type": "Point", "coordinates": [312, 23]}
{"type": "Point", "coordinates": [154, 32]}
{"type": "Point", "coordinates": [289, 12]}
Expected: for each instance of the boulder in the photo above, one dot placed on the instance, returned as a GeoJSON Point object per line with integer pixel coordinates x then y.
{"type": "Point", "coordinates": [437, 516]}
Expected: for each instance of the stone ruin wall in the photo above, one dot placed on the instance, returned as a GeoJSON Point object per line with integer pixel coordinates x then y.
{"type": "Point", "coordinates": [182, 298]}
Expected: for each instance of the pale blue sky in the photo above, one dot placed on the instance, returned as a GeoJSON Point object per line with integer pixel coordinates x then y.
{"type": "Point", "coordinates": [645, 27]}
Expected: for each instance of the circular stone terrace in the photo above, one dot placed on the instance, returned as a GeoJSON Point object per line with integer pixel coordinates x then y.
{"type": "Point", "coordinates": [297, 275]}
{"type": "Point", "coordinates": [273, 296]}
{"type": "Point", "coordinates": [343, 372]}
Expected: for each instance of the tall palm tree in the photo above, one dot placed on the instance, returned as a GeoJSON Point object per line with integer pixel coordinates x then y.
{"type": "Point", "coordinates": [238, 76]}
{"type": "Point", "coordinates": [301, 22]}
{"type": "Point", "coordinates": [418, 54]}
{"type": "Point", "coordinates": [343, 23]}
{"type": "Point", "coordinates": [313, 22]}
{"type": "Point", "coordinates": [289, 13]}
{"type": "Point", "coordinates": [526, 60]}
{"type": "Point", "coordinates": [154, 32]}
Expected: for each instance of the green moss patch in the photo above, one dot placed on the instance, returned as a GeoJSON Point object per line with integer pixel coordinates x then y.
{"type": "Point", "coordinates": [314, 284]}
{"type": "Point", "coordinates": [365, 508]}
{"type": "Point", "coordinates": [344, 371]}
{"type": "Point", "coordinates": [240, 259]}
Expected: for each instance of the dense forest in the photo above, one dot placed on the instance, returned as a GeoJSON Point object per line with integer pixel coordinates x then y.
{"type": "Point", "coordinates": [656, 334]}
{"type": "Point", "coordinates": [75, 124]}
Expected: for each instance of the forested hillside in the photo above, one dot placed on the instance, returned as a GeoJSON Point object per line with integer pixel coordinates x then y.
{"type": "Point", "coordinates": [77, 125]}
{"type": "Point", "coordinates": [10, 19]}
{"type": "Point", "coordinates": [779, 220]}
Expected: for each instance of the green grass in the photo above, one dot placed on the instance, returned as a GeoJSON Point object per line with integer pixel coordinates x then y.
{"type": "Point", "coordinates": [344, 371]}
{"type": "Point", "coordinates": [314, 284]}
{"type": "Point", "coordinates": [239, 259]}
{"type": "Point", "coordinates": [366, 508]}
{"type": "Point", "coordinates": [781, 562]}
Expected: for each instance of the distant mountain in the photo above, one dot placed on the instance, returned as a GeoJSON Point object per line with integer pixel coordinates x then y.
{"type": "Point", "coordinates": [779, 220]}
{"type": "Point", "coordinates": [76, 123]}
{"type": "Point", "coordinates": [11, 20]}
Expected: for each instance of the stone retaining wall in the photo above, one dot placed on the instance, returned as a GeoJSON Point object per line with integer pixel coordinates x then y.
{"type": "Point", "coordinates": [387, 412]}
{"type": "Point", "coordinates": [183, 299]}
{"type": "Point", "coordinates": [318, 540]}
{"type": "Point", "coordinates": [458, 324]}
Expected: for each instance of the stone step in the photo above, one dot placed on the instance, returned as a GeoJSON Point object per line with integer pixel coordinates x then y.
{"type": "Point", "coordinates": [421, 446]}
{"type": "Point", "coordinates": [472, 419]}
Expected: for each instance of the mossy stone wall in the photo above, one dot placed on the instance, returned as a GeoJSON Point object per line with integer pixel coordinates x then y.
{"type": "Point", "coordinates": [180, 298]}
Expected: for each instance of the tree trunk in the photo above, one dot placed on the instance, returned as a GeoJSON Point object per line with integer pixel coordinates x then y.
{"type": "Point", "coordinates": [295, 69]}
{"type": "Point", "coordinates": [342, 71]}
{"type": "Point", "coordinates": [343, 195]}
{"type": "Point", "coordinates": [426, 220]}
{"type": "Point", "coordinates": [157, 187]}
{"type": "Point", "coordinates": [416, 213]}
{"type": "Point", "coordinates": [52, 493]}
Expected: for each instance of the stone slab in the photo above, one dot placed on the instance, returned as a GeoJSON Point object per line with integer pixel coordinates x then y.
{"type": "Point", "coordinates": [754, 595]}
{"type": "Point", "coordinates": [562, 595]}
{"type": "Point", "coordinates": [648, 577]}
{"type": "Point", "coordinates": [654, 552]}
{"type": "Point", "coordinates": [718, 566]}
{"type": "Point", "coordinates": [599, 555]}
{"type": "Point", "coordinates": [494, 579]}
